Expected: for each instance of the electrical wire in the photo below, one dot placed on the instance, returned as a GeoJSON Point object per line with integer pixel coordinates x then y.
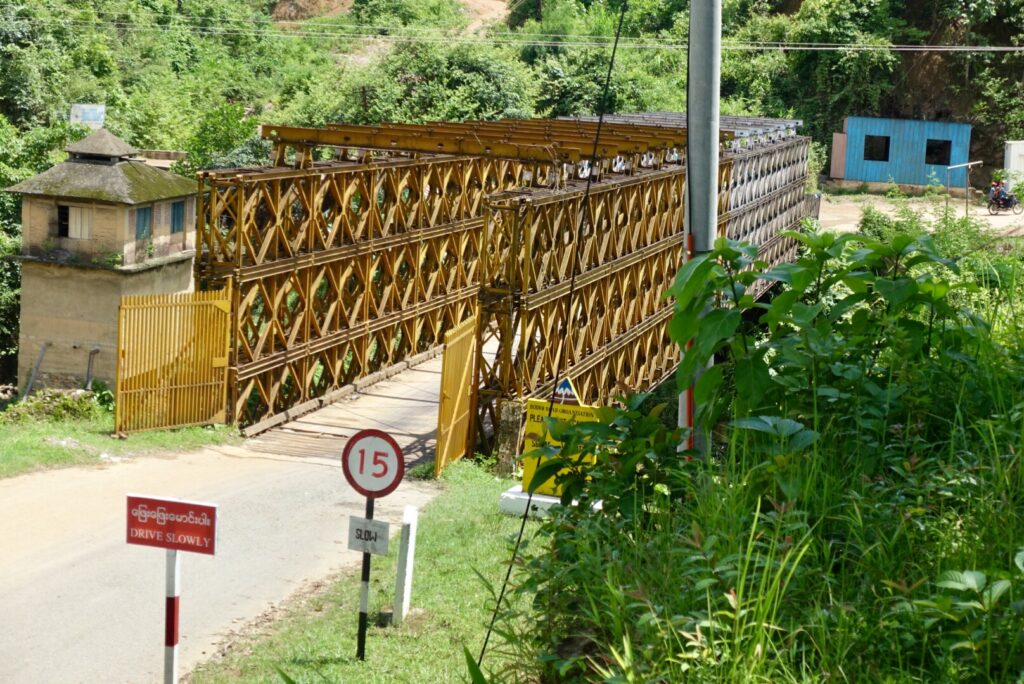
{"type": "Point", "coordinates": [585, 220]}
{"type": "Point", "coordinates": [432, 35]}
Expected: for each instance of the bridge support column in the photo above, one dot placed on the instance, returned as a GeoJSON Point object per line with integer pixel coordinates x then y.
{"type": "Point", "coordinates": [508, 435]}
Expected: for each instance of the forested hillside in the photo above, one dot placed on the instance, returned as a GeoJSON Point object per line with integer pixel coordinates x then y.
{"type": "Point", "coordinates": [199, 75]}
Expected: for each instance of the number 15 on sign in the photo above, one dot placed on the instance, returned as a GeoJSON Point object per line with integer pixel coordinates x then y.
{"type": "Point", "coordinates": [373, 463]}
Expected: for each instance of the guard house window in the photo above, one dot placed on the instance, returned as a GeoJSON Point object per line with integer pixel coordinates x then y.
{"type": "Point", "coordinates": [143, 223]}
{"type": "Point", "coordinates": [937, 152]}
{"type": "Point", "coordinates": [178, 216]}
{"type": "Point", "coordinates": [876, 148]}
{"type": "Point", "coordinates": [73, 222]}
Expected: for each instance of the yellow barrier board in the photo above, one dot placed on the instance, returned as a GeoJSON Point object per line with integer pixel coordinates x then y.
{"type": "Point", "coordinates": [536, 434]}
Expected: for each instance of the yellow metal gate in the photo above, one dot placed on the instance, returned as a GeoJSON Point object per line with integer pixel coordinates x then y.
{"type": "Point", "coordinates": [458, 393]}
{"type": "Point", "coordinates": [172, 362]}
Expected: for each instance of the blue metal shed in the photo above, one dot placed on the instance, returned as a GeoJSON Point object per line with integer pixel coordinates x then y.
{"type": "Point", "coordinates": [901, 150]}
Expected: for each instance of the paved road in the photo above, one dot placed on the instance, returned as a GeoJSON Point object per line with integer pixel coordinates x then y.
{"type": "Point", "coordinates": [80, 605]}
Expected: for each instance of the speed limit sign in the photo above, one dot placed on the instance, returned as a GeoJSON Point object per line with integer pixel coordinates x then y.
{"type": "Point", "coordinates": [373, 463]}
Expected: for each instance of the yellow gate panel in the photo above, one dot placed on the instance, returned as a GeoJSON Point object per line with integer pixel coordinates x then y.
{"type": "Point", "coordinates": [172, 364]}
{"type": "Point", "coordinates": [458, 392]}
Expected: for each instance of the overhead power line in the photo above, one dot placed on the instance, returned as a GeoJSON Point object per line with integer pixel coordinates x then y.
{"type": "Point", "coordinates": [429, 35]}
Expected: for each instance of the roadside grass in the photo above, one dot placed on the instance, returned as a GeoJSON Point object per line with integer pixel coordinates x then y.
{"type": "Point", "coordinates": [460, 533]}
{"type": "Point", "coordinates": [857, 517]}
{"type": "Point", "coordinates": [39, 444]}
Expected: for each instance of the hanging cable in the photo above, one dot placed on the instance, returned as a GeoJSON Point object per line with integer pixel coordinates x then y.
{"type": "Point", "coordinates": [410, 34]}
{"type": "Point", "coordinates": [584, 221]}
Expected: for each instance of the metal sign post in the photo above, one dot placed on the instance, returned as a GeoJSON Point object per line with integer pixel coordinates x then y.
{"type": "Point", "coordinates": [373, 464]}
{"type": "Point", "coordinates": [174, 525]}
{"type": "Point", "coordinates": [967, 184]}
{"type": "Point", "coordinates": [364, 593]}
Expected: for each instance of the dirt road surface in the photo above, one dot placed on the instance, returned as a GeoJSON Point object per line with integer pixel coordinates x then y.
{"type": "Point", "coordinates": [80, 605]}
{"type": "Point", "coordinates": [842, 213]}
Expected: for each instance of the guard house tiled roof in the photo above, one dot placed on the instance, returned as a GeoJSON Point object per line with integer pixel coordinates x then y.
{"type": "Point", "coordinates": [100, 168]}
{"type": "Point", "coordinates": [102, 143]}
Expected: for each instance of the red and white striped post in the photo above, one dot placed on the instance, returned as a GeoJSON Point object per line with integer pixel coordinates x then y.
{"type": "Point", "coordinates": [174, 525]}
{"type": "Point", "coordinates": [171, 625]}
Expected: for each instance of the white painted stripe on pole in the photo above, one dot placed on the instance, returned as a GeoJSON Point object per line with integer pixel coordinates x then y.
{"type": "Point", "coordinates": [406, 561]}
{"type": "Point", "coordinates": [364, 597]}
{"type": "Point", "coordinates": [170, 664]}
{"type": "Point", "coordinates": [171, 618]}
{"type": "Point", "coordinates": [173, 573]}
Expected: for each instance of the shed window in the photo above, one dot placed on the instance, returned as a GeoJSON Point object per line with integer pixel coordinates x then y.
{"type": "Point", "coordinates": [178, 216]}
{"type": "Point", "coordinates": [143, 223]}
{"type": "Point", "coordinates": [73, 222]}
{"type": "Point", "coordinates": [876, 148]}
{"type": "Point", "coordinates": [938, 152]}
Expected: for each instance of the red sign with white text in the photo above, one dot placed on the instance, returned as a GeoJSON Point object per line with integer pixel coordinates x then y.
{"type": "Point", "coordinates": [172, 524]}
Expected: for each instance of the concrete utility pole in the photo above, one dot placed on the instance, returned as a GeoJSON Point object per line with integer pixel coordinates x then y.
{"type": "Point", "coordinates": [704, 75]}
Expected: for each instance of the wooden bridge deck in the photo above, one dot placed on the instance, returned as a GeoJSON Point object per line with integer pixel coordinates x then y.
{"type": "Point", "coordinates": [404, 406]}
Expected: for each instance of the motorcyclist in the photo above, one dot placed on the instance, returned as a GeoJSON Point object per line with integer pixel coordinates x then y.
{"type": "Point", "coordinates": [999, 192]}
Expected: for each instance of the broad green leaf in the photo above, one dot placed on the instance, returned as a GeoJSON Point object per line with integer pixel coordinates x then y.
{"type": "Point", "coordinates": [544, 472]}
{"type": "Point", "coordinates": [684, 325]}
{"type": "Point", "coordinates": [804, 314]}
{"type": "Point", "coordinates": [990, 597]}
{"type": "Point", "coordinates": [691, 278]}
{"type": "Point", "coordinates": [969, 580]}
{"type": "Point", "coordinates": [802, 440]}
{"type": "Point", "coordinates": [707, 383]}
{"type": "Point", "coordinates": [752, 381]}
{"type": "Point", "coordinates": [897, 291]}
{"type": "Point", "coordinates": [718, 325]}
{"type": "Point", "coordinates": [856, 282]}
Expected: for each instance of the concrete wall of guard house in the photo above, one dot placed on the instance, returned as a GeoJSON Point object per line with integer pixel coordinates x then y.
{"type": "Point", "coordinates": [74, 308]}
{"type": "Point", "coordinates": [40, 227]}
{"type": "Point", "coordinates": [164, 242]}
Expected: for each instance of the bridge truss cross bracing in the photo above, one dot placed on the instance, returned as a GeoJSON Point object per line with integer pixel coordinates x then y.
{"type": "Point", "coordinates": [363, 245]}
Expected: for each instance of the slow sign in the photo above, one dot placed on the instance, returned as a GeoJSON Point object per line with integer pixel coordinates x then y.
{"type": "Point", "coordinates": [368, 536]}
{"type": "Point", "coordinates": [172, 524]}
{"type": "Point", "coordinates": [373, 464]}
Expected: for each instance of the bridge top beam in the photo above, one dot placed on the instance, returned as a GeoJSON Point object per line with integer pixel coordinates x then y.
{"type": "Point", "coordinates": [611, 145]}
{"type": "Point", "coordinates": [427, 139]}
{"type": "Point", "coordinates": [555, 129]}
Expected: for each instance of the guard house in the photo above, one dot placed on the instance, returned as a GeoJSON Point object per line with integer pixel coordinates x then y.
{"type": "Point", "coordinates": [101, 225]}
{"type": "Point", "coordinates": [902, 151]}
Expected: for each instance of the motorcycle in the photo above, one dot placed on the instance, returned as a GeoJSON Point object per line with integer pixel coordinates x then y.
{"type": "Point", "coordinates": [1006, 202]}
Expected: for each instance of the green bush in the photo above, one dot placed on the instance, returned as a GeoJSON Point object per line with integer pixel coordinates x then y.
{"type": "Point", "coordinates": [53, 405]}
{"type": "Point", "coordinates": [858, 515]}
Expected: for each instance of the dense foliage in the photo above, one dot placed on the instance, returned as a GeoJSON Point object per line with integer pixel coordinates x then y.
{"type": "Point", "coordinates": [859, 517]}
{"type": "Point", "coordinates": [199, 75]}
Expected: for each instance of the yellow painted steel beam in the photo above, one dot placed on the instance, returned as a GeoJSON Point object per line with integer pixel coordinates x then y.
{"type": "Point", "coordinates": [381, 138]}
{"type": "Point", "coordinates": [610, 146]}
{"type": "Point", "coordinates": [552, 131]}
{"type": "Point", "coordinates": [671, 136]}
